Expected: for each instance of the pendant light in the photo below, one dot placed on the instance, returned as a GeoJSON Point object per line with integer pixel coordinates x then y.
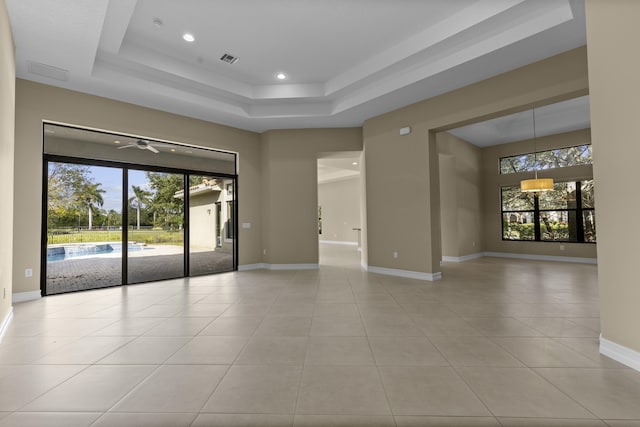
{"type": "Point", "coordinates": [535, 185]}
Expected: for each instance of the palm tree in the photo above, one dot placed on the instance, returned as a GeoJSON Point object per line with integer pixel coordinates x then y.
{"type": "Point", "coordinates": [91, 196]}
{"type": "Point", "coordinates": [139, 199]}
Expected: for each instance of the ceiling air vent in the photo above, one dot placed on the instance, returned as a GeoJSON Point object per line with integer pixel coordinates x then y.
{"type": "Point", "coordinates": [48, 71]}
{"type": "Point", "coordinates": [229, 59]}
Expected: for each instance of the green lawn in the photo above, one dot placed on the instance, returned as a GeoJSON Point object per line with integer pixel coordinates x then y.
{"type": "Point", "coordinates": [96, 236]}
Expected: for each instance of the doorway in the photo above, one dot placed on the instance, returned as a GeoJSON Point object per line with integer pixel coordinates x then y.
{"type": "Point", "coordinates": [107, 223]}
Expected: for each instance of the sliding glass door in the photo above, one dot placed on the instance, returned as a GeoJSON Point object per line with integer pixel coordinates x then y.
{"type": "Point", "coordinates": [212, 226]}
{"type": "Point", "coordinates": [83, 227]}
{"type": "Point", "coordinates": [120, 209]}
{"type": "Point", "coordinates": [155, 226]}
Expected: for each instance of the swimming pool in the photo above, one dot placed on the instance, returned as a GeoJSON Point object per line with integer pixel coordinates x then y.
{"type": "Point", "coordinates": [85, 250]}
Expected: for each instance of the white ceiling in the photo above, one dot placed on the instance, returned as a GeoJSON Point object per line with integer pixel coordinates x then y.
{"type": "Point", "coordinates": [549, 120]}
{"type": "Point", "coordinates": [346, 60]}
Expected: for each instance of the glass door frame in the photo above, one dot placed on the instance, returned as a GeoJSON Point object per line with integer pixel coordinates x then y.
{"type": "Point", "coordinates": [124, 168]}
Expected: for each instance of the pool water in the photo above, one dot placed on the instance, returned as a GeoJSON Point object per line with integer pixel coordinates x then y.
{"type": "Point", "coordinates": [61, 253]}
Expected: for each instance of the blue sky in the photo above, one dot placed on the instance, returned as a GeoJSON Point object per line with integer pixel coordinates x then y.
{"type": "Point", "coordinates": [111, 180]}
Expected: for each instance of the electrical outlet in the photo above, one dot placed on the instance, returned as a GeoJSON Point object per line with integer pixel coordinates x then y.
{"type": "Point", "coordinates": [562, 247]}
{"type": "Point", "coordinates": [28, 272]}
{"type": "Point", "coordinates": [395, 254]}
{"type": "Point", "coordinates": [264, 252]}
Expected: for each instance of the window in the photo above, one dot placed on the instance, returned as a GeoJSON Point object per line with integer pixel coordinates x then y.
{"type": "Point", "coordinates": [564, 214]}
{"type": "Point", "coordinates": [550, 159]}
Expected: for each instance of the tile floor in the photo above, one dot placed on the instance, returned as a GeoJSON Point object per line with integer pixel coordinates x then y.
{"type": "Point", "coordinates": [496, 343]}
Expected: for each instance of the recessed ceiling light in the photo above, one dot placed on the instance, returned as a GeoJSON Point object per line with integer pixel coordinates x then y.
{"type": "Point", "coordinates": [281, 76]}
{"type": "Point", "coordinates": [116, 142]}
{"type": "Point", "coordinates": [188, 37]}
{"type": "Point", "coordinates": [158, 22]}
{"type": "Point", "coordinates": [354, 163]}
{"type": "Point", "coordinates": [173, 149]}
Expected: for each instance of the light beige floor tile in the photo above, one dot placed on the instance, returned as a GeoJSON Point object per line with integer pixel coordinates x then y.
{"type": "Point", "coordinates": [220, 298]}
{"type": "Point", "coordinates": [74, 327]}
{"type": "Point", "coordinates": [204, 350]}
{"type": "Point", "coordinates": [332, 326]}
{"type": "Point", "coordinates": [145, 351]}
{"type": "Point", "coordinates": [543, 352]}
{"type": "Point", "coordinates": [592, 323]}
{"type": "Point", "coordinates": [520, 392]}
{"type": "Point", "coordinates": [95, 389]}
{"type": "Point", "coordinates": [374, 308]}
{"type": "Point", "coordinates": [341, 296]}
{"type": "Point", "coordinates": [285, 326]}
{"type": "Point", "coordinates": [429, 391]}
{"type": "Point", "coordinates": [203, 310]}
{"type": "Point", "coordinates": [179, 327]}
{"type": "Point", "coordinates": [21, 350]}
{"type": "Point", "coordinates": [385, 325]}
{"type": "Point", "coordinates": [502, 327]}
{"type": "Point", "coordinates": [134, 326]}
{"type": "Point", "coordinates": [240, 309]}
{"type": "Point", "coordinates": [549, 422]}
{"type": "Point", "coordinates": [179, 388]}
{"type": "Point", "coordinates": [406, 351]}
{"type": "Point", "coordinates": [115, 419]}
{"type": "Point", "coordinates": [20, 384]}
{"type": "Point", "coordinates": [292, 309]}
{"type": "Point", "coordinates": [257, 390]}
{"type": "Point", "coordinates": [355, 390]}
{"type": "Point", "coordinates": [623, 423]}
{"type": "Point", "coordinates": [473, 351]}
{"type": "Point", "coordinates": [427, 309]}
{"type": "Point", "coordinates": [424, 421]}
{"type": "Point", "coordinates": [590, 347]}
{"type": "Point", "coordinates": [336, 309]}
{"type": "Point", "coordinates": [233, 326]}
{"type": "Point", "coordinates": [49, 419]}
{"type": "Point", "coordinates": [444, 326]}
{"type": "Point", "coordinates": [343, 421]}
{"type": "Point", "coordinates": [84, 351]}
{"type": "Point", "coordinates": [338, 351]}
{"type": "Point", "coordinates": [273, 351]}
{"type": "Point", "coordinates": [608, 393]}
{"type": "Point", "coordinates": [558, 327]}
{"type": "Point", "coordinates": [159, 310]}
{"type": "Point", "coordinates": [243, 420]}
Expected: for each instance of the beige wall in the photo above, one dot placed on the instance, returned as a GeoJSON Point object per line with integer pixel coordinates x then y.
{"type": "Point", "coordinates": [403, 212]}
{"type": "Point", "coordinates": [37, 102]}
{"type": "Point", "coordinates": [290, 189]}
{"type": "Point", "coordinates": [202, 220]}
{"type": "Point", "coordinates": [614, 80]}
{"type": "Point", "coordinates": [340, 201]}
{"type": "Point", "coordinates": [493, 180]}
{"type": "Point", "coordinates": [460, 196]}
{"type": "Point", "coordinates": [7, 110]}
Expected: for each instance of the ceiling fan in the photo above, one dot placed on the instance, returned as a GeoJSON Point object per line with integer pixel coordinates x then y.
{"type": "Point", "coordinates": [143, 144]}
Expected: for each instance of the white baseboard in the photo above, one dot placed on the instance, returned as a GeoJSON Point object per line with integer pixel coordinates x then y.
{"type": "Point", "coordinates": [463, 257]}
{"type": "Point", "coordinates": [542, 257]}
{"type": "Point", "coordinates": [404, 273]}
{"type": "Point", "coordinates": [26, 296]}
{"type": "Point", "coordinates": [267, 266]}
{"type": "Point", "coordinates": [291, 266]}
{"type": "Point", "coordinates": [247, 267]}
{"type": "Point", "coordinates": [339, 242]}
{"type": "Point", "coordinates": [4, 325]}
{"type": "Point", "coordinates": [620, 353]}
